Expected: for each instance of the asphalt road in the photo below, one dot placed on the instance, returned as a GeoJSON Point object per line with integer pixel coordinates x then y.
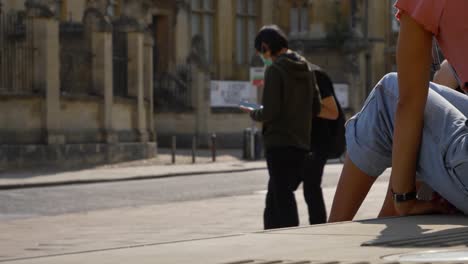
{"type": "Point", "coordinates": [26, 203]}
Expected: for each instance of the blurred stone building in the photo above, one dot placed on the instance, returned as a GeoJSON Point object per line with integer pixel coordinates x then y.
{"type": "Point", "coordinates": [92, 81]}
{"type": "Point", "coordinates": [76, 82]}
{"type": "Point", "coordinates": [353, 40]}
{"type": "Point", "coordinates": [197, 42]}
{"type": "Point", "coordinates": [207, 40]}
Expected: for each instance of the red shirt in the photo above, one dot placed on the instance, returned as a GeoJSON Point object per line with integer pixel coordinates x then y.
{"type": "Point", "coordinates": [446, 19]}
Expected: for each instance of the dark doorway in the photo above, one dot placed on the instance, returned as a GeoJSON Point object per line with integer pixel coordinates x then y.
{"type": "Point", "coordinates": [162, 49]}
{"type": "Point", "coordinates": [171, 87]}
{"type": "Point", "coordinates": [120, 62]}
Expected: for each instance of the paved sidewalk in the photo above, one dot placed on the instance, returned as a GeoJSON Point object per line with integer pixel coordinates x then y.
{"type": "Point", "coordinates": [129, 227]}
{"type": "Point", "coordinates": [226, 161]}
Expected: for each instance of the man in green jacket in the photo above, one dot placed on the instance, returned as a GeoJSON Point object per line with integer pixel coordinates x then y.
{"type": "Point", "coordinates": [289, 99]}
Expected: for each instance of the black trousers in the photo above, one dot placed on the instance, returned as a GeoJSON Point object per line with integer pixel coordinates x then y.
{"type": "Point", "coordinates": [312, 181]}
{"type": "Point", "coordinates": [288, 167]}
{"type": "Point", "coordinates": [285, 167]}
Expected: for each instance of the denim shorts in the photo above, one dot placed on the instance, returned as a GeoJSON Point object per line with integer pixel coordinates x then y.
{"type": "Point", "coordinates": [443, 158]}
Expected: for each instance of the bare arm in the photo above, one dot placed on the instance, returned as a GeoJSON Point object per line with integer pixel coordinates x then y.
{"type": "Point", "coordinates": [329, 109]}
{"type": "Point", "coordinates": [388, 207]}
{"type": "Point", "coordinates": [413, 60]}
{"type": "Point", "coordinates": [443, 76]}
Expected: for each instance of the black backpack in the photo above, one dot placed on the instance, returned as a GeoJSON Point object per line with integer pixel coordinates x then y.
{"type": "Point", "coordinates": [337, 133]}
{"type": "Point", "coordinates": [335, 142]}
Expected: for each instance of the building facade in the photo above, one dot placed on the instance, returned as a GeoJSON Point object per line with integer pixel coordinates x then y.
{"type": "Point", "coordinates": [92, 81]}
{"type": "Point", "coordinates": [353, 40]}
{"type": "Point", "coordinates": [207, 41]}
{"type": "Point", "coordinates": [76, 82]}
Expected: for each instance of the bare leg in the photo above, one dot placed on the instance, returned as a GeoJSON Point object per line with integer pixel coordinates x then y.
{"type": "Point", "coordinates": [350, 193]}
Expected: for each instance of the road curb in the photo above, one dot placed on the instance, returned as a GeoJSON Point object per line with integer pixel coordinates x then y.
{"type": "Point", "coordinates": [130, 178]}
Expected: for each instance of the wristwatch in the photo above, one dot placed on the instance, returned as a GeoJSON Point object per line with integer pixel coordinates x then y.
{"type": "Point", "coordinates": [404, 197]}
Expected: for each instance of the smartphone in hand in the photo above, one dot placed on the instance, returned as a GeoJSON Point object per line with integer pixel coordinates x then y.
{"type": "Point", "coordinates": [249, 106]}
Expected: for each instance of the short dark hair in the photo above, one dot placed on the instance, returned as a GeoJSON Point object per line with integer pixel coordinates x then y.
{"type": "Point", "coordinates": [273, 36]}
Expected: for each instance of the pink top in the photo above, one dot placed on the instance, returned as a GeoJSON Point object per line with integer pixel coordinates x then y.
{"type": "Point", "coordinates": [446, 20]}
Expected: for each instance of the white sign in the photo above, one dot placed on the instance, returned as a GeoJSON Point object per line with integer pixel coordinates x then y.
{"type": "Point", "coordinates": [231, 93]}
{"type": "Point", "coordinates": [342, 94]}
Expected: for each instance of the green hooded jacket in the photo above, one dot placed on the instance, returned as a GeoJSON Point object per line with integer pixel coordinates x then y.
{"type": "Point", "coordinates": [290, 100]}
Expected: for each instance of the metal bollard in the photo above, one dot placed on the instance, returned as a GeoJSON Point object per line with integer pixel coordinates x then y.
{"type": "Point", "coordinates": [174, 145]}
{"type": "Point", "coordinates": [213, 147]}
{"type": "Point", "coordinates": [194, 148]}
{"type": "Point", "coordinates": [252, 144]}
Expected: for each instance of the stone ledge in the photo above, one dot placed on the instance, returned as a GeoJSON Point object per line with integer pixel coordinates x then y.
{"type": "Point", "coordinates": [21, 95]}
{"type": "Point", "coordinates": [81, 97]}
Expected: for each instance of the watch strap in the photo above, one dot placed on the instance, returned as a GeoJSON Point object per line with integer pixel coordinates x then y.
{"type": "Point", "coordinates": [403, 197]}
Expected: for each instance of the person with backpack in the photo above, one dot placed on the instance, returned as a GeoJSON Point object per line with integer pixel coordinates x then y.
{"type": "Point", "coordinates": [327, 142]}
{"type": "Point", "coordinates": [290, 100]}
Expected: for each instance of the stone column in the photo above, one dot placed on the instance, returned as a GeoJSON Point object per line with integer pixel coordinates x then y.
{"type": "Point", "coordinates": [225, 38]}
{"type": "Point", "coordinates": [378, 21]}
{"type": "Point", "coordinates": [47, 66]}
{"type": "Point", "coordinates": [102, 78]}
{"type": "Point", "coordinates": [200, 88]}
{"type": "Point", "coordinates": [135, 79]}
{"type": "Point", "coordinates": [201, 99]}
{"type": "Point", "coordinates": [148, 86]}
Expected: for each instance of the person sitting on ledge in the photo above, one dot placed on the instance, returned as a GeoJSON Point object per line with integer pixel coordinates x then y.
{"type": "Point", "coordinates": [417, 127]}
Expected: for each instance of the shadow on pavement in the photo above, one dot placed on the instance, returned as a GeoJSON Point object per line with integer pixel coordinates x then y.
{"type": "Point", "coordinates": [421, 232]}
